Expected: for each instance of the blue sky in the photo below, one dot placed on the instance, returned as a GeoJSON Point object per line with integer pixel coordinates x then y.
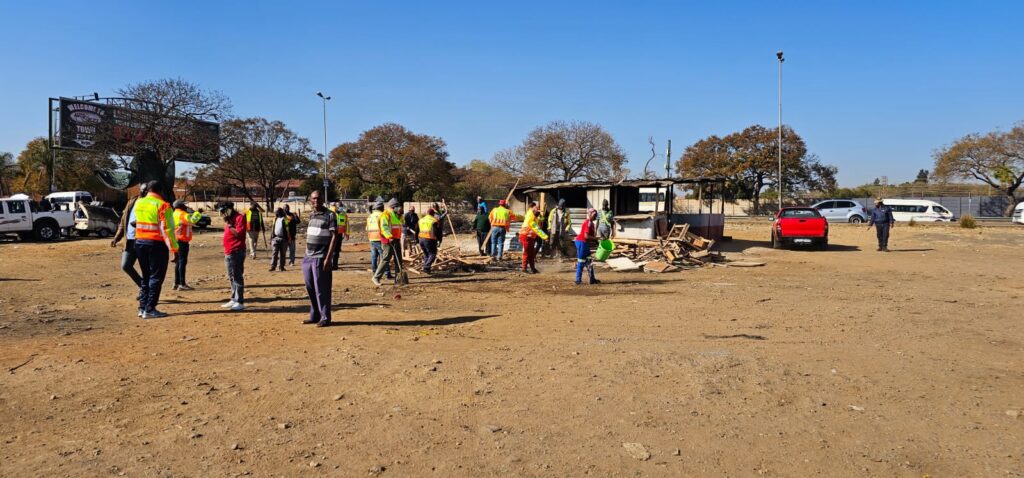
{"type": "Point", "coordinates": [873, 87]}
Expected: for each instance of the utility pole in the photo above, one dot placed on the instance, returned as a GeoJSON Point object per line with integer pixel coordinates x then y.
{"type": "Point", "coordinates": [325, 99]}
{"type": "Point", "coordinates": [668, 160]}
{"type": "Point", "coordinates": [778, 55]}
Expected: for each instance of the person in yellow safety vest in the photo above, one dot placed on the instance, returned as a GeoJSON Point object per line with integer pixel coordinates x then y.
{"type": "Point", "coordinates": [154, 241]}
{"type": "Point", "coordinates": [390, 240]}
{"type": "Point", "coordinates": [559, 227]}
{"type": "Point", "coordinates": [373, 235]}
{"type": "Point", "coordinates": [429, 232]}
{"type": "Point", "coordinates": [604, 225]}
{"type": "Point", "coordinates": [528, 235]}
{"type": "Point", "coordinates": [183, 221]}
{"type": "Point", "coordinates": [501, 220]}
{"type": "Point", "coordinates": [253, 226]}
{"type": "Point", "coordinates": [342, 217]}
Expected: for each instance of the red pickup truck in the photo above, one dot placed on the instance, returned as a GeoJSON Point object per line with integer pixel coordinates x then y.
{"type": "Point", "coordinates": [800, 226]}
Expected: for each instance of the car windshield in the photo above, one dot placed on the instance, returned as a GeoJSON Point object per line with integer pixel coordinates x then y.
{"type": "Point", "coordinates": [799, 213]}
{"type": "Point", "coordinates": [940, 210]}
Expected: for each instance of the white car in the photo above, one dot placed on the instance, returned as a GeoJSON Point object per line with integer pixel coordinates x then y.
{"type": "Point", "coordinates": [842, 210]}
{"type": "Point", "coordinates": [18, 215]}
{"type": "Point", "coordinates": [919, 210]}
{"type": "Point", "coordinates": [1018, 213]}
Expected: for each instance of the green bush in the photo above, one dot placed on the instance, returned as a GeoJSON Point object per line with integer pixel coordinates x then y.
{"type": "Point", "coordinates": [967, 221]}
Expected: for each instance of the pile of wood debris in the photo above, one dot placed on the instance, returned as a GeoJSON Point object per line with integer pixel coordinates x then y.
{"type": "Point", "coordinates": [679, 249]}
{"type": "Point", "coordinates": [448, 259]}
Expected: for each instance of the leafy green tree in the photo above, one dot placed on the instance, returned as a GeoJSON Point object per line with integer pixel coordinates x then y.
{"type": "Point", "coordinates": [995, 158]}
{"type": "Point", "coordinates": [565, 151]}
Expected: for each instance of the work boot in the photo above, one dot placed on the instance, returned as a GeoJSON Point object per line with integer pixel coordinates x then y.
{"type": "Point", "coordinates": [309, 321]}
{"type": "Point", "coordinates": [376, 281]}
{"type": "Point", "coordinates": [184, 287]}
{"type": "Point", "coordinates": [323, 323]}
{"type": "Point", "coordinates": [175, 287]}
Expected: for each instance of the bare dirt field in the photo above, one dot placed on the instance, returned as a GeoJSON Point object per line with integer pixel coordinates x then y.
{"type": "Point", "coordinates": [848, 362]}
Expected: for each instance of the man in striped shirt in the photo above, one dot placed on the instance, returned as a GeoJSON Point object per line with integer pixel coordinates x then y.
{"type": "Point", "coordinates": [321, 234]}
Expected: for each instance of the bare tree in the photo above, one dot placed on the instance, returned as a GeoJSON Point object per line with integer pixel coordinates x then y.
{"type": "Point", "coordinates": [565, 151]}
{"type": "Point", "coordinates": [262, 152]}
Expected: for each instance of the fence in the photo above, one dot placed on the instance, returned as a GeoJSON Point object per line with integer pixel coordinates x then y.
{"type": "Point", "coordinates": [977, 206]}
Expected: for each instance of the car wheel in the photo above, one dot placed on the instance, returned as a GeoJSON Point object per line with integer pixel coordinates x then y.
{"type": "Point", "coordinates": [855, 219]}
{"type": "Point", "coordinates": [776, 244]}
{"type": "Point", "coordinates": [823, 245]}
{"type": "Point", "coordinates": [46, 231]}
{"type": "Point", "coordinates": [103, 233]}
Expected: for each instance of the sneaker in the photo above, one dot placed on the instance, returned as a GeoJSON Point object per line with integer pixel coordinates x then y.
{"type": "Point", "coordinates": [323, 323]}
{"type": "Point", "coordinates": [184, 287]}
{"type": "Point", "coordinates": [376, 281]}
{"type": "Point", "coordinates": [153, 314]}
{"type": "Point", "coordinates": [229, 304]}
{"type": "Point", "coordinates": [175, 287]}
{"type": "Point", "coordinates": [595, 281]}
{"type": "Point", "coordinates": [308, 322]}
{"type": "Point", "coordinates": [237, 307]}
{"type": "Point", "coordinates": [141, 312]}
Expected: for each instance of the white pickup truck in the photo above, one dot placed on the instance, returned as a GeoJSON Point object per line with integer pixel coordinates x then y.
{"type": "Point", "coordinates": [19, 215]}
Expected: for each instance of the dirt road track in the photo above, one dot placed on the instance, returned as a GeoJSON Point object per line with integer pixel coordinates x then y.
{"type": "Point", "coordinates": [871, 364]}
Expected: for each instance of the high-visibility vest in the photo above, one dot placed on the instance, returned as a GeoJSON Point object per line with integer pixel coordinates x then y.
{"type": "Point", "coordinates": [606, 218]}
{"type": "Point", "coordinates": [530, 227]}
{"type": "Point", "coordinates": [373, 226]}
{"type": "Point", "coordinates": [154, 221]}
{"type": "Point", "coordinates": [427, 227]}
{"type": "Point", "coordinates": [183, 222]}
{"type": "Point", "coordinates": [342, 220]}
{"type": "Point", "coordinates": [500, 217]}
{"type": "Point", "coordinates": [390, 225]}
{"type": "Point", "coordinates": [249, 219]}
{"type": "Point", "coordinates": [566, 220]}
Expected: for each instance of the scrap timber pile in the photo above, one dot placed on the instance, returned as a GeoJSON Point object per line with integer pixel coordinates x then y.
{"type": "Point", "coordinates": [448, 259]}
{"type": "Point", "coordinates": [679, 249]}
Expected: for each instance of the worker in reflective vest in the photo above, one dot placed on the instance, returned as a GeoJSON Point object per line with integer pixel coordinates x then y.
{"type": "Point", "coordinates": [183, 221]}
{"type": "Point", "coordinates": [528, 235]}
{"type": "Point", "coordinates": [604, 225]}
{"type": "Point", "coordinates": [373, 235]}
{"type": "Point", "coordinates": [253, 226]}
{"type": "Point", "coordinates": [501, 220]}
{"type": "Point", "coordinates": [154, 241]}
{"type": "Point", "coordinates": [429, 232]}
{"type": "Point", "coordinates": [390, 240]}
{"type": "Point", "coordinates": [342, 217]}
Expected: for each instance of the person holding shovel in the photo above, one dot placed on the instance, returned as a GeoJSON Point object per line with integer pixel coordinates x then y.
{"type": "Point", "coordinates": [390, 241]}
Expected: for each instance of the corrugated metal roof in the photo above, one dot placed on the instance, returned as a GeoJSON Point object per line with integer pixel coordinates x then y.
{"type": "Point", "coordinates": [629, 183]}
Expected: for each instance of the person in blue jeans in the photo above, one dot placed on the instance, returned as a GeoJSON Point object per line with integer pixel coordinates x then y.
{"type": "Point", "coordinates": [588, 234]}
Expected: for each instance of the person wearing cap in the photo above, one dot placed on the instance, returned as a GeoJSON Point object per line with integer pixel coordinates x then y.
{"type": "Point", "coordinates": [528, 235]}
{"type": "Point", "coordinates": [183, 221]}
{"type": "Point", "coordinates": [430, 230]}
{"type": "Point", "coordinates": [390, 240]}
{"type": "Point", "coordinates": [482, 226]}
{"type": "Point", "coordinates": [373, 235]}
{"type": "Point", "coordinates": [559, 227]}
{"type": "Point", "coordinates": [587, 236]}
{"type": "Point", "coordinates": [253, 226]}
{"type": "Point", "coordinates": [235, 235]}
{"type": "Point", "coordinates": [279, 240]}
{"type": "Point", "coordinates": [480, 203]}
{"type": "Point", "coordinates": [881, 217]}
{"type": "Point", "coordinates": [293, 232]}
{"type": "Point", "coordinates": [501, 220]}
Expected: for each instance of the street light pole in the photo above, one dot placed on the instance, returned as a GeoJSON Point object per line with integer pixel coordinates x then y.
{"type": "Point", "coordinates": [778, 55]}
{"type": "Point", "coordinates": [325, 98]}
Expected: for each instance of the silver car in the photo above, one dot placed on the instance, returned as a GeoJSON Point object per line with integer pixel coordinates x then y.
{"type": "Point", "coordinates": [842, 210]}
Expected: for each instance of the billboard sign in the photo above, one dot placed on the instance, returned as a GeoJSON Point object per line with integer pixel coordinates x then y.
{"type": "Point", "coordinates": [99, 127]}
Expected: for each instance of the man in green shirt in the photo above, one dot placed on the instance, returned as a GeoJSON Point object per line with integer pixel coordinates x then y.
{"type": "Point", "coordinates": [482, 226]}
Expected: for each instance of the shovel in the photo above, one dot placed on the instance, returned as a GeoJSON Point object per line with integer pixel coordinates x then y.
{"type": "Point", "coordinates": [401, 277]}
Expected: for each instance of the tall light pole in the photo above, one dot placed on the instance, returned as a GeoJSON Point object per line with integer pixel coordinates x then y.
{"type": "Point", "coordinates": [778, 55]}
{"type": "Point", "coordinates": [325, 98]}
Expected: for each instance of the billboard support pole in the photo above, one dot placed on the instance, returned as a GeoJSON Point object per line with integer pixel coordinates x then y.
{"type": "Point", "coordinates": [53, 152]}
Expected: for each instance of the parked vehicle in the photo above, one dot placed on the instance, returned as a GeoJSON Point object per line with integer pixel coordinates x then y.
{"type": "Point", "coordinates": [842, 210]}
{"type": "Point", "coordinates": [19, 215]}
{"type": "Point", "coordinates": [1018, 213]}
{"type": "Point", "coordinates": [920, 210]}
{"type": "Point", "coordinates": [800, 226]}
{"type": "Point", "coordinates": [99, 220]}
{"type": "Point", "coordinates": [70, 198]}
{"type": "Point", "coordinates": [203, 222]}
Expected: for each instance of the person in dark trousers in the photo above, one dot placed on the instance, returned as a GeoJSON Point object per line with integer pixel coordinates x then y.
{"type": "Point", "coordinates": [882, 219]}
{"type": "Point", "coordinates": [482, 226]}
{"type": "Point", "coordinates": [278, 241]}
{"type": "Point", "coordinates": [154, 240]}
{"type": "Point", "coordinates": [234, 254]}
{"type": "Point", "coordinates": [586, 237]}
{"type": "Point", "coordinates": [441, 214]}
{"type": "Point", "coordinates": [430, 230]}
{"type": "Point", "coordinates": [293, 233]}
{"type": "Point", "coordinates": [126, 230]}
{"type": "Point", "coordinates": [317, 271]}
{"type": "Point", "coordinates": [410, 230]}
{"type": "Point", "coordinates": [184, 218]}
{"type": "Point", "coordinates": [253, 226]}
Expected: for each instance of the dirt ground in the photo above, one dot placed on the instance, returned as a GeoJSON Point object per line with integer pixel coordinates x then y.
{"type": "Point", "coordinates": [849, 362]}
